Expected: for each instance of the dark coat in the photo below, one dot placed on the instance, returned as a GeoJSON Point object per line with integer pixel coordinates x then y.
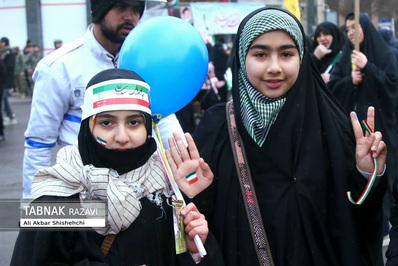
{"type": "Point", "coordinates": [9, 59]}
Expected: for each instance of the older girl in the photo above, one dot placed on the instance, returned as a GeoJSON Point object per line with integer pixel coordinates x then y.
{"type": "Point", "coordinates": [301, 151]}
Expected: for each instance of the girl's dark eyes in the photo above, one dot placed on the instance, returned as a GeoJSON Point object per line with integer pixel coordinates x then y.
{"type": "Point", "coordinates": [260, 55]}
{"type": "Point", "coordinates": [287, 54]}
{"type": "Point", "coordinates": [135, 122]}
{"type": "Point", "coordinates": [283, 54]}
{"type": "Point", "coordinates": [105, 123]}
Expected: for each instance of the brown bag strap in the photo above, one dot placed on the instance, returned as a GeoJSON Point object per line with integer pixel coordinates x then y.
{"type": "Point", "coordinates": [249, 196]}
{"type": "Point", "coordinates": [107, 243]}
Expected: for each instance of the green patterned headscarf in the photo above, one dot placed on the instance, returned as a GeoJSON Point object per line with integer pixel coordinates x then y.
{"type": "Point", "coordinates": [258, 111]}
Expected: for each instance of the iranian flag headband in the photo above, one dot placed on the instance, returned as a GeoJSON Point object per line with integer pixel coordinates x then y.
{"type": "Point", "coordinates": [116, 94]}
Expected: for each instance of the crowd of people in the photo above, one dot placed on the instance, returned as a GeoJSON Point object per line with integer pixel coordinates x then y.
{"type": "Point", "coordinates": [276, 158]}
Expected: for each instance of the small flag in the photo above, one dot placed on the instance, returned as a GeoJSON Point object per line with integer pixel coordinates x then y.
{"type": "Point", "coordinates": [101, 142]}
{"type": "Point", "coordinates": [173, 3]}
{"type": "Point", "coordinates": [192, 178]}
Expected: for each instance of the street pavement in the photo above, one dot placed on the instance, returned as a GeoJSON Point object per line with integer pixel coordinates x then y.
{"type": "Point", "coordinates": [11, 157]}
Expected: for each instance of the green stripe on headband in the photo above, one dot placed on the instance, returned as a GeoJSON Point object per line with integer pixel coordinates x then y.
{"type": "Point", "coordinates": [120, 87]}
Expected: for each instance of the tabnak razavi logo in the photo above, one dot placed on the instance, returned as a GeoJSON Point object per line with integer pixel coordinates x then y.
{"type": "Point", "coordinates": [63, 215]}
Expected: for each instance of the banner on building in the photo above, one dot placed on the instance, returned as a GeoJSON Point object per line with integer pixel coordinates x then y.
{"type": "Point", "coordinates": [220, 18]}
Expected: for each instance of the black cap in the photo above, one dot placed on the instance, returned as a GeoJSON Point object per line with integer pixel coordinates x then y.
{"type": "Point", "coordinates": [99, 8]}
{"type": "Point", "coordinates": [6, 40]}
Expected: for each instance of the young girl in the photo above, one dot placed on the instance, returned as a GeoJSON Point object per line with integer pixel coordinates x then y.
{"type": "Point", "coordinates": [114, 161]}
{"type": "Point", "coordinates": [302, 154]}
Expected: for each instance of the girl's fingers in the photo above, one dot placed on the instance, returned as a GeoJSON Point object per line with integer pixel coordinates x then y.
{"type": "Point", "coordinates": [376, 141]}
{"type": "Point", "coordinates": [174, 152]}
{"type": "Point", "coordinates": [381, 148]}
{"type": "Point", "coordinates": [356, 126]}
{"type": "Point", "coordinates": [188, 208]}
{"type": "Point", "coordinates": [371, 117]}
{"type": "Point", "coordinates": [193, 150]}
{"type": "Point", "coordinates": [181, 146]}
{"type": "Point", "coordinates": [170, 160]}
{"type": "Point", "coordinates": [378, 145]}
{"type": "Point", "coordinates": [206, 171]}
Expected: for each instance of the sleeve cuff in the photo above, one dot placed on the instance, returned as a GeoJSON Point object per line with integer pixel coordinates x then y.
{"type": "Point", "coordinates": [368, 175]}
{"type": "Point", "coordinates": [196, 257]}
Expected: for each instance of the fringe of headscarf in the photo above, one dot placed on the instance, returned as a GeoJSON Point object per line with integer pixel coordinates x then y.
{"type": "Point", "coordinates": [122, 194]}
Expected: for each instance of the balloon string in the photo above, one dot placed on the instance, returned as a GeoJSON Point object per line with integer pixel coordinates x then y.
{"type": "Point", "coordinates": [174, 185]}
{"type": "Point", "coordinates": [177, 192]}
{"type": "Point", "coordinates": [166, 166]}
{"type": "Point", "coordinates": [162, 147]}
{"type": "Point", "coordinates": [371, 179]}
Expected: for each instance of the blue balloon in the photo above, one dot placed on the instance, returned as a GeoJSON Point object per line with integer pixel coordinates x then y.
{"type": "Point", "coordinates": [171, 56]}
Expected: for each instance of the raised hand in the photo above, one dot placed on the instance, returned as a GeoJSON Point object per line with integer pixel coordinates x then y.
{"type": "Point", "coordinates": [191, 173]}
{"type": "Point", "coordinates": [195, 224]}
{"type": "Point", "coordinates": [320, 51]}
{"type": "Point", "coordinates": [370, 145]}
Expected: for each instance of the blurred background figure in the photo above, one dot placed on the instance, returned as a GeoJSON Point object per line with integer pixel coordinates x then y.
{"type": "Point", "coordinates": [17, 52]}
{"type": "Point", "coordinates": [326, 47]}
{"type": "Point", "coordinates": [388, 37]}
{"type": "Point", "coordinates": [36, 54]}
{"type": "Point", "coordinates": [191, 114]}
{"type": "Point", "coordinates": [390, 40]}
{"type": "Point", "coordinates": [214, 89]}
{"type": "Point", "coordinates": [219, 57]}
{"type": "Point", "coordinates": [31, 61]}
{"type": "Point", "coordinates": [3, 74]}
{"type": "Point", "coordinates": [21, 69]}
{"type": "Point", "coordinates": [19, 74]}
{"type": "Point", "coordinates": [208, 94]}
{"type": "Point", "coordinates": [8, 58]}
{"type": "Point", "coordinates": [57, 43]}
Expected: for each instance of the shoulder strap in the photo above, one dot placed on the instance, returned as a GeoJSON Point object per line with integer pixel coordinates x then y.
{"type": "Point", "coordinates": [106, 245]}
{"type": "Point", "coordinates": [249, 196]}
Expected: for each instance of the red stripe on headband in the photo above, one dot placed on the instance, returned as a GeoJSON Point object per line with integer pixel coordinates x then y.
{"type": "Point", "coordinates": [112, 101]}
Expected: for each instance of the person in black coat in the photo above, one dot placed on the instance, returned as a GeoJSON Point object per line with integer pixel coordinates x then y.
{"type": "Point", "coordinates": [3, 77]}
{"type": "Point", "coordinates": [220, 58]}
{"type": "Point", "coordinates": [9, 58]}
{"type": "Point", "coordinates": [326, 47]}
{"type": "Point", "coordinates": [302, 152]}
{"type": "Point", "coordinates": [369, 77]}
